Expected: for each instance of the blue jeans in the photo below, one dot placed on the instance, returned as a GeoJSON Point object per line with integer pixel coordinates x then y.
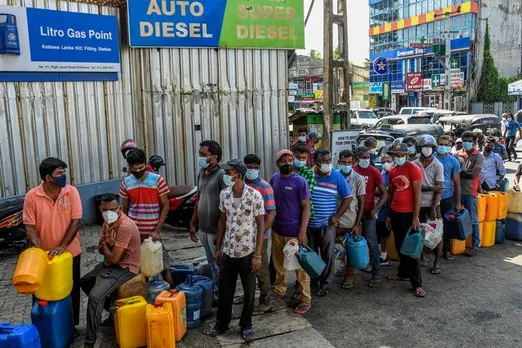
{"type": "Point", "coordinates": [470, 203]}
{"type": "Point", "coordinates": [369, 232]}
{"type": "Point", "coordinates": [208, 242]}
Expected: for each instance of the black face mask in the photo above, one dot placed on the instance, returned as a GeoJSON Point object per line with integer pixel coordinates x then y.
{"type": "Point", "coordinates": [138, 174]}
{"type": "Point", "coordinates": [286, 169]}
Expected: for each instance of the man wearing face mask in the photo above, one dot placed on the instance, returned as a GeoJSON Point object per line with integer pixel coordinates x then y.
{"type": "Point", "coordinates": [404, 201]}
{"type": "Point", "coordinates": [292, 198]}
{"type": "Point", "coordinates": [119, 243]}
{"type": "Point", "coordinates": [510, 134]}
{"type": "Point", "coordinates": [410, 142]}
{"type": "Point", "coordinates": [303, 140]}
{"type": "Point", "coordinates": [498, 147]}
{"type": "Point", "coordinates": [383, 233]}
{"type": "Point", "coordinates": [371, 144]}
{"type": "Point", "coordinates": [51, 215]}
{"type": "Point", "coordinates": [239, 244]}
{"type": "Point", "coordinates": [254, 180]}
{"type": "Point", "coordinates": [451, 197]}
{"type": "Point", "coordinates": [206, 213]}
{"type": "Point", "coordinates": [350, 222]}
{"type": "Point", "coordinates": [330, 187]}
{"type": "Point", "coordinates": [432, 184]}
{"type": "Point", "coordinates": [469, 182]}
{"type": "Point", "coordinates": [145, 202]}
{"type": "Point", "coordinates": [493, 170]}
{"type": "Point", "coordinates": [374, 183]}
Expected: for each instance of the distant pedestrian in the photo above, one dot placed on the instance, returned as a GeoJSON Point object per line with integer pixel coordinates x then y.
{"type": "Point", "coordinates": [451, 194]}
{"type": "Point", "coordinates": [510, 134]}
{"type": "Point", "coordinates": [292, 198]}
{"type": "Point", "coordinates": [493, 170]}
{"type": "Point", "coordinates": [304, 140]}
{"type": "Point", "coordinates": [206, 213]}
{"type": "Point", "coordinates": [374, 183]}
{"type": "Point", "coordinates": [330, 186]}
{"type": "Point", "coordinates": [383, 232]}
{"type": "Point", "coordinates": [431, 190]}
{"type": "Point", "coordinates": [145, 201]}
{"type": "Point", "coordinates": [471, 166]}
{"type": "Point", "coordinates": [457, 148]}
{"type": "Point", "coordinates": [51, 215]}
{"type": "Point", "coordinates": [405, 181]}
{"type": "Point", "coordinates": [371, 144]}
{"type": "Point", "coordinates": [412, 149]}
{"type": "Point", "coordinates": [498, 148]}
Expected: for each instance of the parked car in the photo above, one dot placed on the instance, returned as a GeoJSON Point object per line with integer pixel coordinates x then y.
{"type": "Point", "coordinates": [404, 125]}
{"type": "Point", "coordinates": [413, 110]}
{"type": "Point", "coordinates": [363, 117]}
{"type": "Point", "coordinates": [383, 112]}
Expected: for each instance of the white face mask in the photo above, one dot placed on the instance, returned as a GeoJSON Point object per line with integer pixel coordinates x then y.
{"type": "Point", "coordinates": [427, 151]}
{"type": "Point", "coordinates": [364, 163]}
{"type": "Point", "coordinates": [326, 168]}
{"type": "Point", "coordinates": [110, 216]}
{"type": "Point", "coordinates": [387, 166]}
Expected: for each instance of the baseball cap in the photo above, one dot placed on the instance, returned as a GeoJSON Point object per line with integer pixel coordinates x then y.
{"type": "Point", "coordinates": [459, 140]}
{"type": "Point", "coordinates": [398, 148]}
{"type": "Point", "coordinates": [282, 153]}
{"type": "Point", "coordinates": [234, 164]}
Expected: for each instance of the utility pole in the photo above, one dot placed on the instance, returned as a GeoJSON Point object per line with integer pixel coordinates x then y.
{"type": "Point", "coordinates": [447, 66]}
{"type": "Point", "coordinates": [333, 102]}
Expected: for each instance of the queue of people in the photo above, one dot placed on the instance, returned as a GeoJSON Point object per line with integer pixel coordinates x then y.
{"type": "Point", "coordinates": [239, 214]}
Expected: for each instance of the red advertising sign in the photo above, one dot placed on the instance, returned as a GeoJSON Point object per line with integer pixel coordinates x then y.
{"type": "Point", "coordinates": [413, 81]}
{"type": "Point", "coordinates": [420, 45]}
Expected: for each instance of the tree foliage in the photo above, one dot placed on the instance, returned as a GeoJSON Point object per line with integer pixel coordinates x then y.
{"type": "Point", "coordinates": [315, 54]}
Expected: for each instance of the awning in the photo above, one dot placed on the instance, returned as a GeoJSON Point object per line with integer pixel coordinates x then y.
{"type": "Point", "coordinates": [515, 88]}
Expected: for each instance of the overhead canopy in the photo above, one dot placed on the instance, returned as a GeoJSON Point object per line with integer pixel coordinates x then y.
{"type": "Point", "coordinates": [515, 88]}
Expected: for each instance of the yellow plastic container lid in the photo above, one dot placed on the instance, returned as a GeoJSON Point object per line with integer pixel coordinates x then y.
{"type": "Point", "coordinates": [30, 271]}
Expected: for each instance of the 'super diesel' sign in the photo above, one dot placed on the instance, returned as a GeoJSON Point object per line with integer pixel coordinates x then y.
{"type": "Point", "coordinates": [216, 23]}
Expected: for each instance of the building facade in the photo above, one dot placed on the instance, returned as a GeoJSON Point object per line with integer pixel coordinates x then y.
{"type": "Point", "coordinates": [399, 29]}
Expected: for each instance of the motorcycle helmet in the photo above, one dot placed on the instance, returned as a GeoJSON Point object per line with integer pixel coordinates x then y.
{"type": "Point", "coordinates": [156, 162]}
{"type": "Point", "coordinates": [397, 141]}
{"type": "Point", "coordinates": [128, 145]}
{"type": "Point", "coordinates": [426, 140]}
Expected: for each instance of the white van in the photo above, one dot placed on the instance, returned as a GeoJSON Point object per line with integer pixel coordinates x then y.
{"type": "Point", "coordinates": [413, 110]}
{"type": "Point", "coordinates": [363, 117]}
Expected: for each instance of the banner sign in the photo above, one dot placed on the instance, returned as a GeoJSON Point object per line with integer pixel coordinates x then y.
{"type": "Point", "coordinates": [36, 40]}
{"type": "Point", "coordinates": [216, 23]}
{"type": "Point", "coordinates": [397, 87]}
{"type": "Point", "coordinates": [376, 88]}
{"type": "Point", "coordinates": [426, 85]}
{"type": "Point", "coordinates": [413, 81]}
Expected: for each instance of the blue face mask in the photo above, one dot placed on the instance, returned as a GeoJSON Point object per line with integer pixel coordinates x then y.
{"type": "Point", "coordinates": [227, 179]}
{"type": "Point", "coordinates": [412, 149]}
{"type": "Point", "coordinates": [61, 180]}
{"type": "Point", "coordinates": [252, 174]}
{"type": "Point", "coordinates": [345, 169]}
{"type": "Point", "coordinates": [299, 164]}
{"type": "Point", "coordinates": [302, 139]}
{"type": "Point", "coordinates": [399, 161]}
{"type": "Point", "coordinates": [202, 162]}
{"type": "Point", "coordinates": [442, 150]}
{"type": "Point", "coordinates": [467, 145]}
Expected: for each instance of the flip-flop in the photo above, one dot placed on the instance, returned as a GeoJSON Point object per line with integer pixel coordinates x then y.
{"type": "Point", "coordinates": [419, 292]}
{"type": "Point", "coordinates": [239, 300]}
{"type": "Point", "coordinates": [436, 270]}
{"type": "Point", "coordinates": [347, 285]}
{"type": "Point", "coordinates": [302, 308]}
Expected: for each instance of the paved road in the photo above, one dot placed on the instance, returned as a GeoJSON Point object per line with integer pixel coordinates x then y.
{"type": "Point", "coordinates": [475, 302]}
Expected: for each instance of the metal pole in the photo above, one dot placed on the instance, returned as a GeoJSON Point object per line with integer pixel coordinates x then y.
{"type": "Point", "coordinates": [448, 87]}
{"type": "Point", "coordinates": [328, 80]}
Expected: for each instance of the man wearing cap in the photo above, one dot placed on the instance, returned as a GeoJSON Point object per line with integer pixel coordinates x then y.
{"type": "Point", "coordinates": [292, 197]}
{"type": "Point", "coordinates": [330, 187]}
{"type": "Point", "coordinates": [458, 146]}
{"type": "Point", "coordinates": [239, 243]}
{"type": "Point", "coordinates": [405, 182]}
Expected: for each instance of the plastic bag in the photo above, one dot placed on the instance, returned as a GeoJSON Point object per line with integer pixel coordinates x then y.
{"type": "Point", "coordinates": [432, 236]}
{"type": "Point", "coordinates": [291, 248]}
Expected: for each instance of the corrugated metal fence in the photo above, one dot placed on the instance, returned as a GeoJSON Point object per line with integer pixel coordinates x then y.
{"type": "Point", "coordinates": [167, 99]}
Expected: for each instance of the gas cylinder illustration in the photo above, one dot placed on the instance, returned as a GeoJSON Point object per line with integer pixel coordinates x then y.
{"type": "Point", "coordinates": [9, 42]}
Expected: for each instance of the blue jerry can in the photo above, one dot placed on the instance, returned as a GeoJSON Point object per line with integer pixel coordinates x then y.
{"type": "Point", "coordinates": [54, 321]}
{"type": "Point", "coordinates": [19, 336]}
{"type": "Point", "coordinates": [9, 41]}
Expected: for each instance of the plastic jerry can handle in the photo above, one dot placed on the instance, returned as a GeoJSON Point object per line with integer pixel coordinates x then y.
{"type": "Point", "coordinates": [158, 304]}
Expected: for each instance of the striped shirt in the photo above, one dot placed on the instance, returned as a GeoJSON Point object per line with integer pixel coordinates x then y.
{"type": "Point", "coordinates": [144, 200]}
{"type": "Point", "coordinates": [328, 189]}
{"type": "Point", "coordinates": [267, 192]}
{"type": "Point", "coordinates": [307, 174]}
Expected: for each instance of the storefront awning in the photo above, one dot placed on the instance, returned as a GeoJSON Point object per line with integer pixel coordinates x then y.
{"type": "Point", "coordinates": [515, 88]}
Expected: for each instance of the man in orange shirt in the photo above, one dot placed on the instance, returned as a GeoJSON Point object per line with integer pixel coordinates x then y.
{"type": "Point", "coordinates": [120, 245]}
{"type": "Point", "coordinates": [52, 213]}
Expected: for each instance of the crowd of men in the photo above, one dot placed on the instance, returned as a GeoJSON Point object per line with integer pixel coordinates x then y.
{"type": "Point", "coordinates": [309, 199]}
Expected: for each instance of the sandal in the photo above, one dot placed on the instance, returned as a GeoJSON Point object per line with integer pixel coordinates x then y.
{"type": "Point", "coordinates": [347, 285]}
{"type": "Point", "coordinates": [262, 308]}
{"type": "Point", "coordinates": [436, 270]}
{"type": "Point", "coordinates": [302, 308]}
{"type": "Point", "coordinates": [395, 277]}
{"type": "Point", "coordinates": [248, 335]}
{"type": "Point", "coordinates": [214, 331]}
{"type": "Point", "coordinates": [321, 293]}
{"type": "Point", "coordinates": [375, 283]}
{"type": "Point", "coordinates": [419, 292]}
{"type": "Point", "coordinates": [239, 300]}
{"type": "Point", "coordinates": [448, 256]}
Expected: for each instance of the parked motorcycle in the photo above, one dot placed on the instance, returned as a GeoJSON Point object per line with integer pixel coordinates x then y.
{"type": "Point", "coordinates": [13, 236]}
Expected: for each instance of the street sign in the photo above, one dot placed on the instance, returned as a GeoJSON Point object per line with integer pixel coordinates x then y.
{"type": "Point", "coordinates": [435, 80]}
{"type": "Point", "coordinates": [292, 85]}
{"type": "Point", "coordinates": [380, 65]}
{"type": "Point", "coordinates": [420, 45]}
{"type": "Point", "coordinates": [413, 81]}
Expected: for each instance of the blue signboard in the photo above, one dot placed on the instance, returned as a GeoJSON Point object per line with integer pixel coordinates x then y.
{"type": "Point", "coordinates": [457, 44]}
{"type": "Point", "coordinates": [61, 43]}
{"type": "Point", "coordinates": [376, 87]}
{"type": "Point", "coordinates": [380, 65]}
{"type": "Point", "coordinates": [397, 87]}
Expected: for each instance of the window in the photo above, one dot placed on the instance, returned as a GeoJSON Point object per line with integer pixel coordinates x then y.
{"type": "Point", "coordinates": [419, 120]}
{"type": "Point", "coordinates": [367, 114]}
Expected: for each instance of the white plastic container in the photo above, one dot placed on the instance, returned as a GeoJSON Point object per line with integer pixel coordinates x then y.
{"type": "Point", "coordinates": [151, 258]}
{"type": "Point", "coordinates": [291, 248]}
{"type": "Point", "coordinates": [432, 236]}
